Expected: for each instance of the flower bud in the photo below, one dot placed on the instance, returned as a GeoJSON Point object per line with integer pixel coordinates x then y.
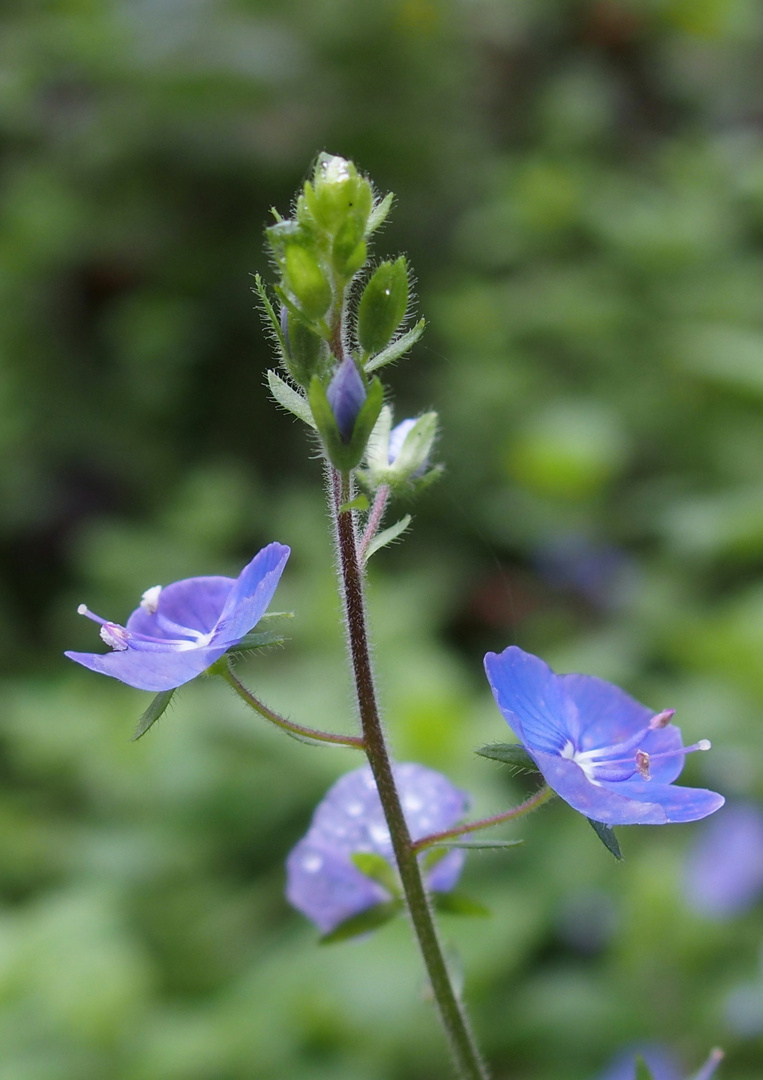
{"type": "Point", "coordinates": [396, 456]}
{"type": "Point", "coordinates": [345, 413]}
{"type": "Point", "coordinates": [337, 191]}
{"type": "Point", "coordinates": [383, 305]}
{"type": "Point", "coordinates": [345, 394]}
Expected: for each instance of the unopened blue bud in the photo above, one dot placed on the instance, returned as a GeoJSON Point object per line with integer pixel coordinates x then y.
{"type": "Point", "coordinates": [345, 394]}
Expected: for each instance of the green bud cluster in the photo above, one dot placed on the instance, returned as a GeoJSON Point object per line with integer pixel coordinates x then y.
{"type": "Point", "coordinates": [325, 318]}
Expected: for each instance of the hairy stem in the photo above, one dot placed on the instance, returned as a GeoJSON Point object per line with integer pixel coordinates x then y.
{"type": "Point", "coordinates": [374, 519]}
{"type": "Point", "coordinates": [282, 722]}
{"type": "Point", "coordinates": [541, 796]}
{"type": "Point", "coordinates": [463, 1047]}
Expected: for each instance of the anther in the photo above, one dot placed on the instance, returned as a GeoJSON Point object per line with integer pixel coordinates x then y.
{"type": "Point", "coordinates": [150, 599]}
{"type": "Point", "coordinates": [662, 719]}
{"type": "Point", "coordinates": [115, 636]}
{"type": "Point", "coordinates": [642, 764]}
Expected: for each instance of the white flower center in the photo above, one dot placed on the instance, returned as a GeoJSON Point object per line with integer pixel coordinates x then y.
{"type": "Point", "coordinates": [581, 758]}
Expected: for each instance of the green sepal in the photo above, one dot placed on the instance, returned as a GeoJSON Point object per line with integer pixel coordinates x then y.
{"type": "Point", "coordinates": [282, 233]}
{"type": "Point", "coordinates": [320, 326]}
{"type": "Point", "coordinates": [383, 305]}
{"type": "Point", "coordinates": [643, 1072]}
{"type": "Point", "coordinates": [377, 868]}
{"type": "Point", "coordinates": [510, 754]}
{"type": "Point", "coordinates": [271, 616]}
{"type": "Point", "coordinates": [349, 251]}
{"type": "Point", "coordinates": [388, 536]}
{"type": "Point", "coordinates": [153, 712]}
{"type": "Point", "coordinates": [269, 314]}
{"type": "Point", "coordinates": [290, 399]}
{"type": "Point", "coordinates": [607, 836]}
{"type": "Point", "coordinates": [345, 455]}
{"type": "Point", "coordinates": [252, 641]}
{"type": "Point", "coordinates": [479, 845]}
{"type": "Point", "coordinates": [417, 446]}
{"type": "Point", "coordinates": [380, 213]}
{"type": "Point", "coordinates": [306, 352]}
{"type": "Point", "coordinates": [364, 922]}
{"type": "Point", "coordinates": [397, 348]}
{"type": "Point", "coordinates": [453, 903]}
{"type": "Point", "coordinates": [305, 279]}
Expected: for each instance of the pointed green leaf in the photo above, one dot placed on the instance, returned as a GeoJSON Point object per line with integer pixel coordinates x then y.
{"type": "Point", "coordinates": [607, 836]}
{"type": "Point", "coordinates": [364, 923]}
{"type": "Point", "coordinates": [454, 903]}
{"type": "Point", "coordinates": [510, 754]}
{"type": "Point", "coordinates": [479, 845]}
{"type": "Point", "coordinates": [289, 399]}
{"type": "Point", "coordinates": [378, 869]}
{"type": "Point", "coordinates": [387, 536]}
{"type": "Point", "coordinates": [260, 640]}
{"type": "Point", "coordinates": [152, 713]}
{"type": "Point", "coordinates": [379, 213]}
{"type": "Point", "coordinates": [396, 349]}
{"type": "Point", "coordinates": [360, 502]}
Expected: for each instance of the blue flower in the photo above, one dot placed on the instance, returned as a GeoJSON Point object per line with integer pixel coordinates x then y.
{"type": "Point", "coordinates": [724, 869]}
{"type": "Point", "coordinates": [604, 753]}
{"type": "Point", "coordinates": [179, 630]}
{"type": "Point", "coordinates": [661, 1064]}
{"type": "Point", "coordinates": [324, 883]}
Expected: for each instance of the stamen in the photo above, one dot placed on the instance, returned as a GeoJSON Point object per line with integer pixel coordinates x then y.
{"type": "Point", "coordinates": [83, 609]}
{"type": "Point", "coordinates": [150, 599]}
{"type": "Point", "coordinates": [642, 764]}
{"type": "Point", "coordinates": [662, 719]}
{"type": "Point", "coordinates": [703, 744]}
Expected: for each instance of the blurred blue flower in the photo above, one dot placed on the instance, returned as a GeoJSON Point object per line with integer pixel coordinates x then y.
{"type": "Point", "coordinates": [604, 753]}
{"type": "Point", "coordinates": [322, 880]}
{"type": "Point", "coordinates": [179, 630]}
{"type": "Point", "coordinates": [724, 869]}
{"type": "Point", "coordinates": [345, 394]}
{"type": "Point", "coordinates": [662, 1065]}
{"type": "Point", "coordinates": [602, 574]}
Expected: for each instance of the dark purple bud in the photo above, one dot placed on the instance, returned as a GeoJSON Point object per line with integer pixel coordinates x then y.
{"type": "Point", "coordinates": [345, 394]}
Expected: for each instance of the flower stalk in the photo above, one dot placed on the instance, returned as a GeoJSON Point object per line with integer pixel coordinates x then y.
{"type": "Point", "coordinates": [462, 1044]}
{"type": "Point", "coordinates": [298, 730]}
{"type": "Point", "coordinates": [532, 803]}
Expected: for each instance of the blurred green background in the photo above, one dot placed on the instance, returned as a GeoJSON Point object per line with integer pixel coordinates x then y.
{"type": "Point", "coordinates": [581, 196]}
